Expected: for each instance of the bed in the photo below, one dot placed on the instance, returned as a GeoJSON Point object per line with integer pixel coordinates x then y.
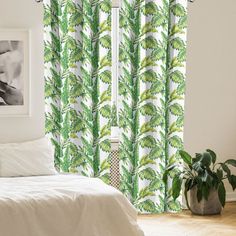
{"type": "Point", "coordinates": [64, 205]}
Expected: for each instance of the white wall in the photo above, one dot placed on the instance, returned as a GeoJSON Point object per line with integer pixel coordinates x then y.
{"type": "Point", "coordinates": [26, 14]}
{"type": "Point", "coordinates": [211, 79]}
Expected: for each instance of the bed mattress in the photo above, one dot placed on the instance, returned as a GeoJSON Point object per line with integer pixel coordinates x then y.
{"type": "Point", "coordinates": [64, 205]}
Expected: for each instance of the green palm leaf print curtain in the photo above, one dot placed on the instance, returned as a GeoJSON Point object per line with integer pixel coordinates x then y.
{"type": "Point", "coordinates": [151, 90]}
{"type": "Point", "coordinates": [78, 84]}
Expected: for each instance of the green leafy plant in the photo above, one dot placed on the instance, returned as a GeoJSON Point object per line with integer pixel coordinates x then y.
{"type": "Point", "coordinates": [202, 172]}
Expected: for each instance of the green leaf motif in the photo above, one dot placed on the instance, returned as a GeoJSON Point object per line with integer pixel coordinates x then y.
{"type": "Point", "coordinates": [156, 184]}
{"type": "Point", "coordinates": [148, 109]}
{"type": "Point", "coordinates": [176, 142]}
{"type": "Point", "coordinates": [176, 109]}
{"type": "Point", "coordinates": [177, 43]}
{"type": "Point", "coordinates": [178, 10]}
{"type": "Point", "coordinates": [148, 142]}
{"type": "Point", "coordinates": [177, 77]}
{"type": "Point", "coordinates": [148, 174]}
{"type": "Point", "coordinates": [158, 20]}
{"type": "Point", "coordinates": [105, 41]}
{"type": "Point", "coordinates": [149, 76]}
{"type": "Point", "coordinates": [106, 111]}
{"type": "Point", "coordinates": [105, 6]}
{"type": "Point", "coordinates": [77, 86]}
{"type": "Point", "coordinates": [105, 76]}
{"type": "Point", "coordinates": [183, 22]}
{"type": "Point", "coordinates": [152, 59]}
{"type": "Point", "coordinates": [149, 43]}
{"type": "Point", "coordinates": [149, 8]}
{"type": "Point", "coordinates": [232, 181]}
{"type": "Point", "coordinates": [147, 206]}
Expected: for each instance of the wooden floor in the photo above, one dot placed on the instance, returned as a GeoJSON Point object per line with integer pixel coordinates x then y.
{"type": "Point", "coordinates": [186, 224]}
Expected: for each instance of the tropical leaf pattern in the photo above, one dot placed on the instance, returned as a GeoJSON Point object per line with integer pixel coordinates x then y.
{"type": "Point", "coordinates": [151, 90]}
{"type": "Point", "coordinates": [78, 84]}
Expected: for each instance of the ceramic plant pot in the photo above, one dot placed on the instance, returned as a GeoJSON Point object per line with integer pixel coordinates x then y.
{"type": "Point", "coordinates": [212, 206]}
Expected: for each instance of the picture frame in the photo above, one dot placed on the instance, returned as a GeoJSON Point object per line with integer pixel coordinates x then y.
{"type": "Point", "coordinates": [15, 73]}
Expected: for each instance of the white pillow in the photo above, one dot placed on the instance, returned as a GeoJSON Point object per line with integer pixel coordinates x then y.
{"type": "Point", "coordinates": [27, 159]}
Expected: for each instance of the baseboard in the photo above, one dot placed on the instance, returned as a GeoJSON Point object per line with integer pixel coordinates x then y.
{"type": "Point", "coordinates": [231, 196]}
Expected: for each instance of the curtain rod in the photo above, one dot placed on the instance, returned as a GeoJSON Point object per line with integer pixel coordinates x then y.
{"type": "Point", "coordinates": [38, 1]}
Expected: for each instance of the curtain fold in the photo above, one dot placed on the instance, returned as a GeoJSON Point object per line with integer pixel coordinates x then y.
{"type": "Point", "coordinates": [78, 84]}
{"type": "Point", "coordinates": [151, 94]}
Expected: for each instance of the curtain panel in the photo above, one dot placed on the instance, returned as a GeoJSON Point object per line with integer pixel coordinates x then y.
{"type": "Point", "coordinates": [151, 89]}
{"type": "Point", "coordinates": [78, 84]}
{"type": "Point", "coordinates": [152, 59]}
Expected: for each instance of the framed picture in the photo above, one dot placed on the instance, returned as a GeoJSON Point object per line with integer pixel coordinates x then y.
{"type": "Point", "coordinates": [14, 72]}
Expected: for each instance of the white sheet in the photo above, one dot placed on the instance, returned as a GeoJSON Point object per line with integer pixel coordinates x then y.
{"type": "Point", "coordinates": [64, 205]}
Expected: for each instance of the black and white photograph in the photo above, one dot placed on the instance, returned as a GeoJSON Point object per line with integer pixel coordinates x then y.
{"type": "Point", "coordinates": [11, 73]}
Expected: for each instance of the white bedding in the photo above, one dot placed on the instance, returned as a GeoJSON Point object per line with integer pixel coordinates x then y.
{"type": "Point", "coordinates": [64, 205]}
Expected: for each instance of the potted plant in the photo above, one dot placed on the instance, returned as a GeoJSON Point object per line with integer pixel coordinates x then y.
{"type": "Point", "coordinates": [203, 179]}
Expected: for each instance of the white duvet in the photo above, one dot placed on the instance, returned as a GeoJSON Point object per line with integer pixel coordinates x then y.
{"type": "Point", "coordinates": [64, 205]}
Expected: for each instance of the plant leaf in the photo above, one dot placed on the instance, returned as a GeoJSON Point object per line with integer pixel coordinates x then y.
{"type": "Point", "coordinates": [105, 41]}
{"type": "Point", "coordinates": [105, 6]}
{"type": "Point", "coordinates": [232, 181]}
{"type": "Point", "coordinates": [213, 155]}
{"type": "Point", "coordinates": [206, 159]}
{"type": "Point", "coordinates": [105, 146]}
{"type": "Point", "coordinates": [105, 111]}
{"type": "Point", "coordinates": [231, 162]}
{"type": "Point", "coordinates": [176, 187]}
{"type": "Point", "coordinates": [205, 191]}
{"type": "Point", "coordinates": [199, 194]}
{"type": "Point", "coordinates": [226, 169]}
{"type": "Point", "coordinates": [186, 157]}
{"type": "Point", "coordinates": [219, 174]}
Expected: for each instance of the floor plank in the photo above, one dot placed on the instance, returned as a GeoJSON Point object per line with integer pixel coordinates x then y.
{"type": "Point", "coordinates": [186, 224]}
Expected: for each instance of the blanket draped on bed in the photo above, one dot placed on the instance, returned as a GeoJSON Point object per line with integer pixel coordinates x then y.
{"type": "Point", "coordinates": [151, 88]}
{"type": "Point", "coordinates": [78, 84]}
